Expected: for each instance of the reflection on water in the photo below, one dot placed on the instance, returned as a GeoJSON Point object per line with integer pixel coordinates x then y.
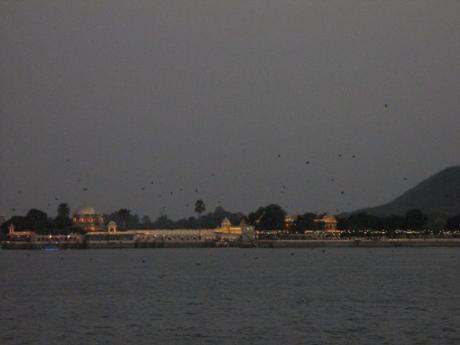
{"type": "Point", "coordinates": [231, 296]}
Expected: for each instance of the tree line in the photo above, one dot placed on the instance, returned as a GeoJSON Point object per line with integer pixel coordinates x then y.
{"type": "Point", "coordinates": [270, 217]}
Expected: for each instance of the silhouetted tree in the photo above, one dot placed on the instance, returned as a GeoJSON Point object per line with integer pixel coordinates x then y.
{"type": "Point", "coordinates": [63, 210]}
{"type": "Point", "coordinates": [124, 218]}
{"type": "Point", "coordinates": [19, 222]}
{"type": "Point", "coordinates": [63, 221]}
{"type": "Point", "coordinates": [200, 207]}
{"type": "Point", "coordinates": [415, 219]}
{"type": "Point", "coordinates": [270, 217]}
{"type": "Point", "coordinates": [453, 223]}
{"type": "Point", "coordinates": [37, 220]}
{"type": "Point", "coordinates": [163, 222]}
{"type": "Point", "coordinates": [361, 221]}
{"type": "Point", "coordinates": [304, 222]}
{"type": "Point", "coordinates": [124, 214]}
{"type": "Point", "coordinates": [394, 222]}
{"type": "Point", "coordinates": [146, 222]}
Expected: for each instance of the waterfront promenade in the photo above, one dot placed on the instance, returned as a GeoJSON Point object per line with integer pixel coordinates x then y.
{"type": "Point", "coordinates": [207, 243]}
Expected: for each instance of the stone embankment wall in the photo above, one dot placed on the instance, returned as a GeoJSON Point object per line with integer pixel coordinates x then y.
{"type": "Point", "coordinates": [174, 243]}
{"type": "Point", "coordinates": [359, 243]}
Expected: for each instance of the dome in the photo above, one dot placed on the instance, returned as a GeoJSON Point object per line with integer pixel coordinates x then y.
{"type": "Point", "coordinates": [85, 211]}
{"type": "Point", "coordinates": [328, 218]}
{"type": "Point", "coordinates": [226, 222]}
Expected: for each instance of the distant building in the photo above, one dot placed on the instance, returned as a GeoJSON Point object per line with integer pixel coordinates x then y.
{"type": "Point", "coordinates": [24, 235]}
{"type": "Point", "coordinates": [87, 219]}
{"type": "Point", "coordinates": [289, 221]}
{"type": "Point", "coordinates": [226, 230]}
{"type": "Point", "coordinates": [112, 226]}
{"type": "Point", "coordinates": [328, 222]}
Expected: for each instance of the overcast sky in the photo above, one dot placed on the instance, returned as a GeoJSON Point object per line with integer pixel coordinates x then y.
{"type": "Point", "coordinates": [112, 95]}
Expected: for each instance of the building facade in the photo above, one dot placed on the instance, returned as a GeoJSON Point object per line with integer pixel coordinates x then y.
{"type": "Point", "coordinates": [88, 220]}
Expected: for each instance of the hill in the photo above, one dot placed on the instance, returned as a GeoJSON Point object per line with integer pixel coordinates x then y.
{"type": "Point", "coordinates": [438, 196]}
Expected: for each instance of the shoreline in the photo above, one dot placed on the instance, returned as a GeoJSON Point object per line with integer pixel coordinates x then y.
{"type": "Point", "coordinates": [348, 243]}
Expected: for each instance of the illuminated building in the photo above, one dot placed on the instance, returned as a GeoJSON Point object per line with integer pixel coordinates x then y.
{"type": "Point", "coordinates": [328, 222]}
{"type": "Point", "coordinates": [88, 220]}
{"type": "Point", "coordinates": [226, 228]}
{"type": "Point", "coordinates": [289, 222]}
{"type": "Point", "coordinates": [25, 235]}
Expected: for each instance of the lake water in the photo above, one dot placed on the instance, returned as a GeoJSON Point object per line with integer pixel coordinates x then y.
{"type": "Point", "coordinates": [231, 296]}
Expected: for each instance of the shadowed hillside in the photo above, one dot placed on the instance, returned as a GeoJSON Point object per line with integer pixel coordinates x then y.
{"type": "Point", "coordinates": [438, 196]}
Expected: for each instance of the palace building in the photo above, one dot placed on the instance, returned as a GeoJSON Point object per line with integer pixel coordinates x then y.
{"type": "Point", "coordinates": [328, 221]}
{"type": "Point", "coordinates": [87, 219]}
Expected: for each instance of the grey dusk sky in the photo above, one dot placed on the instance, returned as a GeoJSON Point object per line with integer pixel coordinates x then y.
{"type": "Point", "coordinates": [228, 97]}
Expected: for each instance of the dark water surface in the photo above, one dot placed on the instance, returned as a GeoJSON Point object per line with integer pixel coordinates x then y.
{"type": "Point", "coordinates": [231, 296]}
